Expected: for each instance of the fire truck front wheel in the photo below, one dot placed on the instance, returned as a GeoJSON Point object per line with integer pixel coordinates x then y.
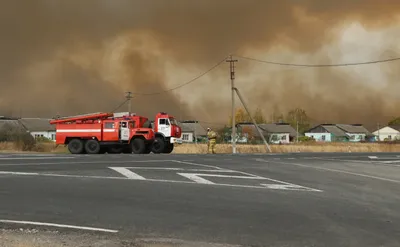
{"type": "Point", "coordinates": [158, 145]}
{"type": "Point", "coordinates": [138, 146]}
{"type": "Point", "coordinates": [92, 146]}
{"type": "Point", "coordinates": [76, 146]}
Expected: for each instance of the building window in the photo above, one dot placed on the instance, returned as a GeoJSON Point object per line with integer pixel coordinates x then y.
{"type": "Point", "coordinates": [53, 136]}
{"type": "Point", "coordinates": [185, 137]}
{"type": "Point", "coordinates": [323, 137]}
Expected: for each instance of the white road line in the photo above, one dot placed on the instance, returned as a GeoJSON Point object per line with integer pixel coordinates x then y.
{"type": "Point", "coordinates": [19, 173]}
{"type": "Point", "coordinates": [334, 170]}
{"type": "Point", "coordinates": [391, 161]}
{"type": "Point", "coordinates": [153, 180]}
{"type": "Point", "coordinates": [373, 157]}
{"type": "Point", "coordinates": [332, 159]}
{"type": "Point", "coordinates": [288, 187]}
{"type": "Point", "coordinates": [85, 162]}
{"type": "Point", "coordinates": [196, 164]}
{"type": "Point", "coordinates": [177, 169]}
{"type": "Point", "coordinates": [58, 225]}
{"type": "Point", "coordinates": [196, 178]}
{"type": "Point", "coordinates": [127, 173]}
{"type": "Point", "coordinates": [34, 158]}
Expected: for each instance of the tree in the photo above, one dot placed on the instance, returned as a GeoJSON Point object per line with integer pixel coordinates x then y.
{"type": "Point", "coordinates": [394, 121]}
{"type": "Point", "coordinates": [259, 117]}
{"type": "Point", "coordinates": [299, 116]}
{"type": "Point", "coordinates": [241, 116]}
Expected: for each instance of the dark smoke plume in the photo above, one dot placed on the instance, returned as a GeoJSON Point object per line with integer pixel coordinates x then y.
{"type": "Point", "coordinates": [71, 57]}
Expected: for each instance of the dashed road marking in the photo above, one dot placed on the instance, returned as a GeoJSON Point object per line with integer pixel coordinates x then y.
{"type": "Point", "coordinates": [127, 173]}
{"type": "Point", "coordinates": [58, 225]}
{"type": "Point", "coordinates": [197, 176]}
{"type": "Point", "coordinates": [335, 170]}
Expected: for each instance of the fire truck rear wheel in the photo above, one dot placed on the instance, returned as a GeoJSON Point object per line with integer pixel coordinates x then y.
{"type": "Point", "coordinates": [76, 146]}
{"type": "Point", "coordinates": [158, 145]}
{"type": "Point", "coordinates": [92, 146]}
{"type": "Point", "coordinates": [138, 146]}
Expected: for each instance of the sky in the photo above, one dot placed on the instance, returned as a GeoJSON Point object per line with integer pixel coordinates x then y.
{"type": "Point", "coordinates": [69, 57]}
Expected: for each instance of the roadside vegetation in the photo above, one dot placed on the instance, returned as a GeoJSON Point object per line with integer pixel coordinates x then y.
{"type": "Point", "coordinates": [50, 147]}
{"type": "Point", "coordinates": [14, 139]}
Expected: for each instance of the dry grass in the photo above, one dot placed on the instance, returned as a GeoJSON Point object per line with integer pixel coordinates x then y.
{"type": "Point", "coordinates": [11, 147]}
{"type": "Point", "coordinates": [292, 148]}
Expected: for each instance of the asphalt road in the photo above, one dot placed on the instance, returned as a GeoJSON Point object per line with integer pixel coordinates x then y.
{"type": "Point", "coordinates": [329, 199]}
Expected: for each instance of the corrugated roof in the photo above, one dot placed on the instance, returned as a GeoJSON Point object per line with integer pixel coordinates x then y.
{"type": "Point", "coordinates": [334, 130]}
{"type": "Point", "coordinates": [270, 128]}
{"type": "Point", "coordinates": [192, 127]}
{"type": "Point", "coordinates": [279, 128]}
{"type": "Point", "coordinates": [396, 127]}
{"type": "Point", "coordinates": [252, 128]}
{"type": "Point", "coordinates": [37, 124]}
{"type": "Point", "coordinates": [350, 128]}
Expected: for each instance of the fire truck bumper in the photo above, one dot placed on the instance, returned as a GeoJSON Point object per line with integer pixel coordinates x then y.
{"type": "Point", "coordinates": [175, 140]}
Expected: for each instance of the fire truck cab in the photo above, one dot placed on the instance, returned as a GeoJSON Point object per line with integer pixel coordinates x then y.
{"type": "Point", "coordinates": [102, 132]}
{"type": "Point", "coordinates": [167, 132]}
{"type": "Point", "coordinates": [166, 128]}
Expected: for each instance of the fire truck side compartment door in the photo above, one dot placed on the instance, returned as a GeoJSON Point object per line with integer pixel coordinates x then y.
{"type": "Point", "coordinates": [124, 131]}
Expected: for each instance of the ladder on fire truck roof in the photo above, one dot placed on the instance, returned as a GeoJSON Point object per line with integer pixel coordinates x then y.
{"type": "Point", "coordinates": [90, 116]}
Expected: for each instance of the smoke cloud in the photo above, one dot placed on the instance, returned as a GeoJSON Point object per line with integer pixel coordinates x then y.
{"type": "Point", "coordinates": [70, 57]}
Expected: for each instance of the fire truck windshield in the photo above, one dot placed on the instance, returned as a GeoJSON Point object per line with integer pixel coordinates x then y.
{"type": "Point", "coordinates": [173, 121]}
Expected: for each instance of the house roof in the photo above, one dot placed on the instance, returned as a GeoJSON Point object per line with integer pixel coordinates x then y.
{"type": "Point", "coordinates": [279, 128]}
{"type": "Point", "coordinates": [342, 129]}
{"type": "Point", "coordinates": [396, 127]}
{"type": "Point", "coordinates": [353, 128]}
{"type": "Point", "coordinates": [193, 126]}
{"type": "Point", "coordinates": [334, 130]}
{"type": "Point", "coordinates": [270, 128]}
{"type": "Point", "coordinates": [37, 124]}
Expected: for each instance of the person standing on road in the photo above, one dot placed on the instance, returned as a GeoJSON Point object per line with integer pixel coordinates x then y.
{"type": "Point", "coordinates": [212, 140]}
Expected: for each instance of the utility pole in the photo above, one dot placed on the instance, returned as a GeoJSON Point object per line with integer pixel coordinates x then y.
{"type": "Point", "coordinates": [379, 136]}
{"type": "Point", "coordinates": [297, 124]}
{"type": "Point", "coordinates": [232, 72]}
{"type": "Point", "coordinates": [128, 98]}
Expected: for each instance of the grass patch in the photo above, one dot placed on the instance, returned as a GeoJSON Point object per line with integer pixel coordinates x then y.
{"type": "Point", "coordinates": [292, 148]}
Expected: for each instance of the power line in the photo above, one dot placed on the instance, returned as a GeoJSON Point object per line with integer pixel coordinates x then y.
{"type": "Point", "coordinates": [320, 65]}
{"type": "Point", "coordinates": [186, 83]}
{"type": "Point", "coordinates": [123, 103]}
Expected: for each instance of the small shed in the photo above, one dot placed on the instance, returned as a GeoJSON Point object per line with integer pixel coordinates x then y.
{"type": "Point", "coordinates": [192, 129]}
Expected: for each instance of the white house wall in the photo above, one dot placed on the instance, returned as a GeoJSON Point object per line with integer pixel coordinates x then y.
{"type": "Point", "coordinates": [356, 137]}
{"type": "Point", "coordinates": [187, 137]}
{"type": "Point", "coordinates": [280, 138]}
{"type": "Point", "coordinates": [47, 134]}
{"type": "Point", "coordinates": [387, 133]}
{"type": "Point", "coordinates": [320, 137]}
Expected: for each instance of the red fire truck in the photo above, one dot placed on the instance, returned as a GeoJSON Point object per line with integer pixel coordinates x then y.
{"type": "Point", "coordinates": [166, 128]}
{"type": "Point", "coordinates": [102, 132]}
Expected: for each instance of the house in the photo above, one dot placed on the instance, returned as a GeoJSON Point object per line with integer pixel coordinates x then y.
{"type": "Point", "coordinates": [387, 133]}
{"type": "Point", "coordinates": [192, 129]}
{"type": "Point", "coordinates": [339, 133]}
{"type": "Point", "coordinates": [273, 132]}
{"type": "Point", "coordinates": [39, 127]}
